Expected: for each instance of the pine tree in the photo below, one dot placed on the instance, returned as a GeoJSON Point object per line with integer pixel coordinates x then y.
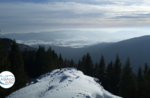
{"type": "Point", "coordinates": [25, 59]}
{"type": "Point", "coordinates": [109, 74]}
{"type": "Point", "coordinates": [55, 59]}
{"type": "Point", "coordinates": [72, 64]}
{"type": "Point", "coordinates": [29, 61]}
{"type": "Point", "coordinates": [4, 66]}
{"type": "Point", "coordinates": [79, 65]}
{"type": "Point", "coordinates": [17, 66]}
{"type": "Point", "coordinates": [95, 70]}
{"type": "Point", "coordinates": [127, 85]}
{"type": "Point", "coordinates": [146, 85]}
{"type": "Point", "coordinates": [40, 62]}
{"type": "Point", "coordinates": [83, 63]}
{"type": "Point", "coordinates": [145, 69]}
{"type": "Point", "coordinates": [60, 61]}
{"type": "Point", "coordinates": [4, 63]}
{"type": "Point", "coordinates": [96, 67]}
{"type": "Point", "coordinates": [66, 64]}
{"type": "Point", "coordinates": [139, 82]}
{"type": "Point", "coordinates": [88, 65]}
{"type": "Point", "coordinates": [49, 64]}
{"type": "Point", "coordinates": [116, 74]}
{"type": "Point", "coordinates": [101, 72]}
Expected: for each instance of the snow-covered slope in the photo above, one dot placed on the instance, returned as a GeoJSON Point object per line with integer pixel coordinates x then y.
{"type": "Point", "coordinates": [64, 83]}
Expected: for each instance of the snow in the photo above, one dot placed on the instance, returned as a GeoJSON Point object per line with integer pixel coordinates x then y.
{"type": "Point", "coordinates": [63, 83]}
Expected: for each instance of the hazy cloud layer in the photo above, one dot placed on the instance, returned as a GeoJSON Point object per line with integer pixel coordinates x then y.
{"type": "Point", "coordinates": [76, 42]}
{"type": "Point", "coordinates": [37, 15]}
{"type": "Point", "coordinates": [68, 38]}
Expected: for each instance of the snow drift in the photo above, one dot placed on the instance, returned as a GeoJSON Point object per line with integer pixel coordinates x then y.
{"type": "Point", "coordinates": [64, 83]}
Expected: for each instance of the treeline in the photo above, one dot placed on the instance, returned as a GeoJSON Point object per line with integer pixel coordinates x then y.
{"type": "Point", "coordinates": [12, 61]}
{"type": "Point", "coordinates": [41, 61]}
{"type": "Point", "coordinates": [28, 64]}
{"type": "Point", "coordinates": [116, 78]}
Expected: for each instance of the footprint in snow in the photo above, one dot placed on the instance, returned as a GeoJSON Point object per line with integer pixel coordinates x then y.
{"type": "Point", "coordinates": [87, 96]}
{"type": "Point", "coordinates": [70, 80]}
{"type": "Point", "coordinates": [50, 88]}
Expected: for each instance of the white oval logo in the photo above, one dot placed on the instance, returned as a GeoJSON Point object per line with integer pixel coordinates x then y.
{"type": "Point", "coordinates": [7, 79]}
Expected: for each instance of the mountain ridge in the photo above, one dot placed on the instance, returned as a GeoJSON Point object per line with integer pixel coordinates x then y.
{"type": "Point", "coordinates": [137, 49]}
{"type": "Point", "coordinates": [8, 42]}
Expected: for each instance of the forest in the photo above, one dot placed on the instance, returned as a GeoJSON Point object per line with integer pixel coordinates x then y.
{"type": "Point", "coordinates": [115, 77]}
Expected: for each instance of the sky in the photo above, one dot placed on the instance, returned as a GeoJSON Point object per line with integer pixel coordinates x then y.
{"type": "Point", "coordinates": [45, 15]}
{"type": "Point", "coordinates": [110, 16]}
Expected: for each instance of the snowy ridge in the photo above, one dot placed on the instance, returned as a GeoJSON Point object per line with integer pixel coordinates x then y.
{"type": "Point", "coordinates": [64, 83]}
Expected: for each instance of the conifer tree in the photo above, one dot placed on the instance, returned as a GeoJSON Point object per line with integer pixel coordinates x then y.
{"type": "Point", "coordinates": [4, 62]}
{"type": "Point", "coordinates": [116, 74]}
{"type": "Point", "coordinates": [49, 64]}
{"type": "Point", "coordinates": [66, 64]}
{"type": "Point", "coordinates": [109, 74]}
{"type": "Point", "coordinates": [145, 69]}
{"type": "Point", "coordinates": [29, 62]}
{"type": "Point", "coordinates": [146, 85]}
{"type": "Point", "coordinates": [55, 59]}
{"type": "Point", "coordinates": [4, 66]}
{"type": "Point", "coordinates": [83, 63]}
{"type": "Point", "coordinates": [72, 64]}
{"type": "Point", "coordinates": [127, 85]}
{"type": "Point", "coordinates": [139, 82]}
{"type": "Point", "coordinates": [17, 66]}
{"type": "Point", "coordinates": [28, 58]}
{"type": "Point", "coordinates": [88, 65]}
{"type": "Point", "coordinates": [40, 62]}
{"type": "Point", "coordinates": [96, 69]}
{"type": "Point", "coordinates": [101, 71]}
{"type": "Point", "coordinates": [25, 59]}
{"type": "Point", "coordinates": [60, 61]}
{"type": "Point", "coordinates": [79, 65]}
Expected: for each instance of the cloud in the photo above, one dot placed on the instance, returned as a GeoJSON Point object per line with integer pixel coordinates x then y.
{"type": "Point", "coordinates": [39, 16]}
{"type": "Point", "coordinates": [76, 42]}
{"type": "Point", "coordinates": [84, 37]}
{"type": "Point", "coordinates": [33, 42]}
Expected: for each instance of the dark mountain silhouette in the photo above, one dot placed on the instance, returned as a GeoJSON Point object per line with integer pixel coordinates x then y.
{"type": "Point", "coordinates": [137, 49]}
{"type": "Point", "coordinates": [8, 42]}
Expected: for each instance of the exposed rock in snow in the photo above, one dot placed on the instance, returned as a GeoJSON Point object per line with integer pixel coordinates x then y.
{"type": "Point", "coordinates": [64, 83]}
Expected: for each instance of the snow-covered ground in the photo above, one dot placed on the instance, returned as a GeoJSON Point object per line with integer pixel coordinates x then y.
{"type": "Point", "coordinates": [63, 83]}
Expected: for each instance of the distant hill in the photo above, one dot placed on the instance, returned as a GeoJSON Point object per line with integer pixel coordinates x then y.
{"type": "Point", "coordinates": [75, 53]}
{"type": "Point", "coordinates": [7, 45]}
{"type": "Point", "coordinates": [137, 49]}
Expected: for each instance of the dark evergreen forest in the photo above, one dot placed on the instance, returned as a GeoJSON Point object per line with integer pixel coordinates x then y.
{"type": "Point", "coordinates": [115, 77]}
